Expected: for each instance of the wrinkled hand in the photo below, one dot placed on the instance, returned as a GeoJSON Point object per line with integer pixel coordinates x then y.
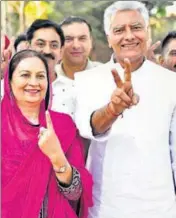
{"type": "Point", "coordinates": [150, 52]}
{"type": "Point", "coordinates": [49, 143]}
{"type": "Point", "coordinates": [123, 96]}
{"type": "Point", "coordinates": [5, 54]}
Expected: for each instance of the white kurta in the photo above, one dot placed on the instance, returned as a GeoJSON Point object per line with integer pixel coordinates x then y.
{"type": "Point", "coordinates": [131, 166]}
{"type": "Point", "coordinates": [2, 88]}
{"type": "Point", "coordinates": [64, 91]}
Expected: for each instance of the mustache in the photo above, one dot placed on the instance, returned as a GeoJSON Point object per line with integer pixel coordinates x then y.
{"type": "Point", "coordinates": [49, 56]}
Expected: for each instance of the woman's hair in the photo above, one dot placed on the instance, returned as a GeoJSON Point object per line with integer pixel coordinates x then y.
{"type": "Point", "coordinates": [21, 55]}
{"type": "Point", "coordinates": [123, 6]}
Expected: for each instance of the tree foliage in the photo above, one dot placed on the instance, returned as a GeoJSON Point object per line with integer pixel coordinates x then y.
{"type": "Point", "coordinates": [20, 14]}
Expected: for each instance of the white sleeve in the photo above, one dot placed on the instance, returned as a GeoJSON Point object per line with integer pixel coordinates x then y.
{"type": "Point", "coordinates": [173, 143]}
{"type": "Point", "coordinates": [88, 100]}
{"type": "Point", "coordinates": [83, 119]}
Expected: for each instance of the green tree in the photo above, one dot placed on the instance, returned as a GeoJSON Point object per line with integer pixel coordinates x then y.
{"type": "Point", "coordinates": [20, 14]}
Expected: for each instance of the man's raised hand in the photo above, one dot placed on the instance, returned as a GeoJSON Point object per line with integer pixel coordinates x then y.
{"type": "Point", "coordinates": [123, 96]}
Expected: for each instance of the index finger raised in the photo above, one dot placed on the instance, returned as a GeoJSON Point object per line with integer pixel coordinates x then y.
{"type": "Point", "coordinates": [49, 123]}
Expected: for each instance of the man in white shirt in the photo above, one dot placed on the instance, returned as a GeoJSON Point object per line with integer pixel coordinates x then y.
{"type": "Point", "coordinates": [131, 118]}
{"type": "Point", "coordinates": [75, 57]}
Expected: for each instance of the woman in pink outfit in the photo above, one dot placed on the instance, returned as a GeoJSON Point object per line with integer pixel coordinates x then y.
{"type": "Point", "coordinates": [42, 156]}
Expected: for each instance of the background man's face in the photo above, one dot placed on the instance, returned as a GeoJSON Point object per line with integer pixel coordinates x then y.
{"type": "Point", "coordinates": [128, 35]}
{"type": "Point", "coordinates": [78, 43]}
{"type": "Point", "coordinates": [47, 41]}
{"type": "Point", "coordinates": [169, 59]}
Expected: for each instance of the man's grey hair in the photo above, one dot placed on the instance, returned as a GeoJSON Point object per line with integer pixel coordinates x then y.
{"type": "Point", "coordinates": [123, 6]}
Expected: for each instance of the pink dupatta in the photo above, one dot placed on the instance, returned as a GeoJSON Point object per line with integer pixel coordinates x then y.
{"type": "Point", "coordinates": [27, 174]}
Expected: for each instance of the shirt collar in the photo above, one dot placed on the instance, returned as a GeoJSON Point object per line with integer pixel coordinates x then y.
{"type": "Point", "coordinates": [113, 59]}
{"type": "Point", "coordinates": [61, 74]}
{"type": "Point", "coordinates": [60, 71]}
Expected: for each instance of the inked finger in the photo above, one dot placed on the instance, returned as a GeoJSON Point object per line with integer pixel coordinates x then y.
{"type": "Point", "coordinates": [49, 123]}
{"type": "Point", "coordinates": [117, 78]}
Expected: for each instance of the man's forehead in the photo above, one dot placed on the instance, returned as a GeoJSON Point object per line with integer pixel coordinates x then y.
{"type": "Point", "coordinates": [131, 17]}
{"type": "Point", "coordinates": [76, 29]}
{"type": "Point", "coordinates": [46, 34]}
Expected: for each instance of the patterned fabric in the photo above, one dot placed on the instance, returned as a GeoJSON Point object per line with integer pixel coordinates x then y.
{"type": "Point", "coordinates": [24, 166]}
{"type": "Point", "coordinates": [71, 192]}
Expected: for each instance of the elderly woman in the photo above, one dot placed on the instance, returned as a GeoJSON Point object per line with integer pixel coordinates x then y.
{"type": "Point", "coordinates": [42, 161]}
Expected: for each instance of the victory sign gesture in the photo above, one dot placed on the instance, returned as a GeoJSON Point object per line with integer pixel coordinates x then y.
{"type": "Point", "coordinates": [123, 96]}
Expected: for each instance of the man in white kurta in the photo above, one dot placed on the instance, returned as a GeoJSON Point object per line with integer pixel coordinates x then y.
{"type": "Point", "coordinates": [131, 165]}
{"type": "Point", "coordinates": [133, 162]}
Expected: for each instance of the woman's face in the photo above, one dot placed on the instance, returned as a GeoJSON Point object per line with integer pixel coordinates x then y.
{"type": "Point", "coordinates": [29, 82]}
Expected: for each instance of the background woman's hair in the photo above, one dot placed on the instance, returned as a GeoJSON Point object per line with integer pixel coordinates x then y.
{"type": "Point", "coordinates": [21, 55]}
